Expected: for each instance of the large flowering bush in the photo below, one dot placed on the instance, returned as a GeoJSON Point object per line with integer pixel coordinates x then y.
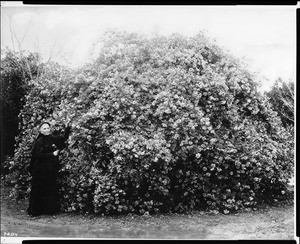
{"type": "Point", "coordinates": [159, 124]}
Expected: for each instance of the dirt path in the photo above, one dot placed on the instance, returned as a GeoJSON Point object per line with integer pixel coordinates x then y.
{"type": "Point", "coordinates": [267, 223]}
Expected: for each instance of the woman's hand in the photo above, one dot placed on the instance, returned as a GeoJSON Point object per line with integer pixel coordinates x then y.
{"type": "Point", "coordinates": [55, 153]}
{"type": "Point", "coordinates": [68, 122]}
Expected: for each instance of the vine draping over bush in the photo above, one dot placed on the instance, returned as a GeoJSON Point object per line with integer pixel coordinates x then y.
{"type": "Point", "coordinates": [159, 124]}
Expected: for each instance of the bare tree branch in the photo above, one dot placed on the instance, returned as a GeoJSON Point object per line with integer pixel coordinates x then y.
{"type": "Point", "coordinates": [25, 34]}
{"type": "Point", "coordinates": [17, 43]}
{"type": "Point", "coordinates": [11, 29]}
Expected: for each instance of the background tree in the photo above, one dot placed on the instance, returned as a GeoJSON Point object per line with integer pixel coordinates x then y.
{"type": "Point", "coordinates": [16, 70]}
{"type": "Point", "coordinates": [282, 97]}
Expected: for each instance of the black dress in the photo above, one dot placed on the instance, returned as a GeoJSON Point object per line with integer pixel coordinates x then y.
{"type": "Point", "coordinates": [44, 168]}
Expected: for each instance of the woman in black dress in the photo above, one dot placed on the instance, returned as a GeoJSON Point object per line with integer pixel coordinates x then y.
{"type": "Point", "coordinates": [44, 168]}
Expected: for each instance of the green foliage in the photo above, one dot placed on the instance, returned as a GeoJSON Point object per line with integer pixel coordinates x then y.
{"type": "Point", "coordinates": [16, 70]}
{"type": "Point", "coordinates": [282, 98]}
{"type": "Point", "coordinates": [159, 124]}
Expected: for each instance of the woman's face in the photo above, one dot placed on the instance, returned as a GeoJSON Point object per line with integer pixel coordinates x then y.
{"type": "Point", "coordinates": [45, 129]}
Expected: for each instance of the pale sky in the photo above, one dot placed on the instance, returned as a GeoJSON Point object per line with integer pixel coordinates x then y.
{"type": "Point", "coordinates": [264, 36]}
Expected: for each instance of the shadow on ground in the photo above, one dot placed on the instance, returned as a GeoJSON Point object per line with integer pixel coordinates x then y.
{"type": "Point", "coordinates": [267, 223]}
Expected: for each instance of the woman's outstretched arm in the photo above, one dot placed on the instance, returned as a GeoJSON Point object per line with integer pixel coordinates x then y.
{"type": "Point", "coordinates": [61, 139]}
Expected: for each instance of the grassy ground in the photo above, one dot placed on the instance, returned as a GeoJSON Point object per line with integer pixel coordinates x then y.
{"type": "Point", "coordinates": [276, 222]}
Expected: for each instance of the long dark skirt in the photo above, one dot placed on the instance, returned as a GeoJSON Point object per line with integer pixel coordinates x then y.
{"type": "Point", "coordinates": [44, 195]}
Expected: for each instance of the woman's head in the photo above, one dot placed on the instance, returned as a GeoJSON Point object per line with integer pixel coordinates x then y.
{"type": "Point", "coordinates": [45, 128]}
